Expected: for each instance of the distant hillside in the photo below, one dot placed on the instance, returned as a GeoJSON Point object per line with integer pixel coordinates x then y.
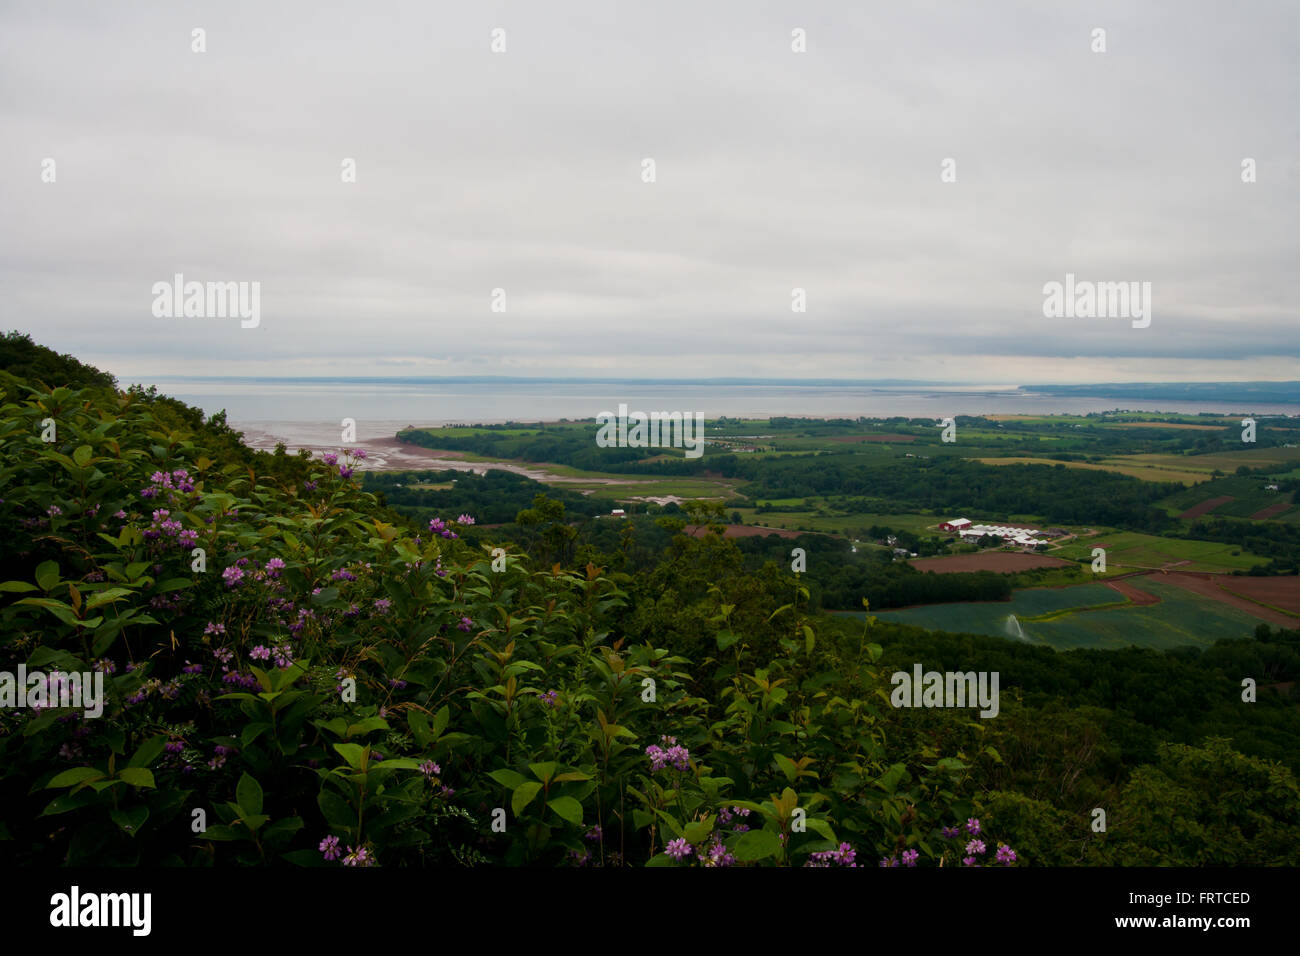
{"type": "Point", "coordinates": [1186, 391]}
{"type": "Point", "coordinates": [23, 358]}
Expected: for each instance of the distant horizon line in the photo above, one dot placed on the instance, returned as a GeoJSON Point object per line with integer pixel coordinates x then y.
{"type": "Point", "coordinates": [721, 380]}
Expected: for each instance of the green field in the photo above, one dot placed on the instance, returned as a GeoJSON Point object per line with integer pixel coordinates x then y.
{"type": "Point", "coordinates": [1181, 618]}
{"type": "Point", "coordinates": [1126, 550]}
{"type": "Point", "coordinates": [1249, 496]}
{"type": "Point", "coordinates": [837, 524]}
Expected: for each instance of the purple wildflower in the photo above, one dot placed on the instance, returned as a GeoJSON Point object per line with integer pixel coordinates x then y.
{"type": "Point", "coordinates": [330, 847]}
{"type": "Point", "coordinates": [678, 849]}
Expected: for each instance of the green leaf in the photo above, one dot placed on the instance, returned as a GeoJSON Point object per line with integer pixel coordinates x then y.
{"type": "Point", "coordinates": [757, 845]}
{"type": "Point", "coordinates": [544, 771]}
{"type": "Point", "coordinates": [60, 610]}
{"type": "Point", "coordinates": [809, 640]}
{"type": "Point", "coordinates": [697, 831]}
{"type": "Point", "coordinates": [137, 776]}
{"type": "Point", "coordinates": [68, 801]}
{"type": "Point", "coordinates": [821, 828]}
{"type": "Point", "coordinates": [787, 767]}
{"type": "Point", "coordinates": [221, 832]}
{"type": "Point", "coordinates": [891, 778]}
{"type": "Point", "coordinates": [336, 811]}
{"type": "Point", "coordinates": [417, 720]}
{"type": "Point", "coordinates": [523, 796]}
{"type": "Point", "coordinates": [440, 720]}
{"type": "Point", "coordinates": [82, 455]}
{"type": "Point", "coordinates": [507, 778]}
{"type": "Point", "coordinates": [131, 820]}
{"type": "Point", "coordinates": [18, 586]}
{"type": "Point", "coordinates": [283, 828]}
{"type": "Point", "coordinates": [725, 639]}
{"type": "Point", "coordinates": [70, 778]}
{"type": "Point", "coordinates": [670, 822]}
{"type": "Point", "coordinates": [325, 596]}
{"type": "Point", "coordinates": [248, 794]}
{"type": "Point", "coordinates": [148, 751]}
{"type": "Point", "coordinates": [252, 732]}
{"type": "Point", "coordinates": [352, 753]}
{"type": "Point", "coordinates": [47, 575]}
{"type": "Point", "coordinates": [568, 809]}
{"type": "Point", "coordinates": [369, 725]}
{"type": "Point", "coordinates": [783, 608]}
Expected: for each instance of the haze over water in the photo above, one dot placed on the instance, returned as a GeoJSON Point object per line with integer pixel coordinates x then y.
{"type": "Point", "coordinates": [397, 403]}
{"type": "Point", "coordinates": [308, 412]}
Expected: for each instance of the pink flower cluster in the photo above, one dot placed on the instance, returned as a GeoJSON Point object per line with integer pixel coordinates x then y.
{"type": "Point", "coordinates": [843, 855]}
{"type": "Point", "coordinates": [675, 756]}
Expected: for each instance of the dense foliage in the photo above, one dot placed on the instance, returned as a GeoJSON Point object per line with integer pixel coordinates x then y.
{"type": "Point", "coordinates": [294, 674]}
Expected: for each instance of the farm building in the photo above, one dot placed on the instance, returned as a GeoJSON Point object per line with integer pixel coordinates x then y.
{"type": "Point", "coordinates": [956, 524]}
{"type": "Point", "coordinates": [1010, 534]}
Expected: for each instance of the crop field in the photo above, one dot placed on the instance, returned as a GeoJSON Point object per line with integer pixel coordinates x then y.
{"type": "Point", "coordinates": [1116, 465]}
{"type": "Point", "coordinates": [1227, 462]}
{"type": "Point", "coordinates": [1182, 425]}
{"type": "Point", "coordinates": [1127, 550]}
{"type": "Point", "coordinates": [849, 525]}
{"type": "Point", "coordinates": [1004, 562]}
{"type": "Point", "coordinates": [1066, 618]}
{"type": "Point", "coordinates": [1277, 592]}
{"type": "Point", "coordinates": [1245, 497]}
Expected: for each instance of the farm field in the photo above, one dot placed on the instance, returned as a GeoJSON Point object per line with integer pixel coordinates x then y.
{"type": "Point", "coordinates": [1115, 465]}
{"type": "Point", "coordinates": [1001, 561]}
{"type": "Point", "coordinates": [1183, 425]}
{"type": "Point", "coordinates": [1205, 507]}
{"type": "Point", "coordinates": [1237, 497]}
{"type": "Point", "coordinates": [1227, 462]}
{"type": "Point", "coordinates": [839, 524]}
{"type": "Point", "coordinates": [1279, 592]}
{"type": "Point", "coordinates": [1127, 550]}
{"type": "Point", "coordinates": [1180, 618]}
{"type": "Point", "coordinates": [743, 531]}
{"type": "Point", "coordinates": [1212, 587]}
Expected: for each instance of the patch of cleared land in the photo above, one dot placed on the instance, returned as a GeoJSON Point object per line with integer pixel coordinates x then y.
{"type": "Point", "coordinates": [1205, 507]}
{"type": "Point", "coordinates": [1132, 550]}
{"type": "Point", "coordinates": [743, 531]}
{"type": "Point", "coordinates": [1276, 592]}
{"type": "Point", "coordinates": [1115, 465]}
{"type": "Point", "coordinates": [1004, 562]}
{"type": "Point", "coordinates": [1086, 615]}
{"type": "Point", "coordinates": [1183, 425]}
{"type": "Point", "coordinates": [1271, 511]}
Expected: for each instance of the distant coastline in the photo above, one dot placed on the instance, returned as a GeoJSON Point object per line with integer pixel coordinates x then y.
{"type": "Point", "coordinates": [424, 401]}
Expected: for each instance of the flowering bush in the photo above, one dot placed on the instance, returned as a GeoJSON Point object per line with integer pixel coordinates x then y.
{"type": "Point", "coordinates": [335, 688]}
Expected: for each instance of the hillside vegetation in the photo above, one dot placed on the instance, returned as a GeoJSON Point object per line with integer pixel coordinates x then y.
{"type": "Point", "coordinates": [296, 675]}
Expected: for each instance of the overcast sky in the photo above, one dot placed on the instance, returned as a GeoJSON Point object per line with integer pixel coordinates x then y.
{"type": "Point", "coordinates": [522, 170]}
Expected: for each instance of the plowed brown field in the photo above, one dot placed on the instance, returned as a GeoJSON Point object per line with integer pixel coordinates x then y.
{"type": "Point", "coordinates": [1001, 561]}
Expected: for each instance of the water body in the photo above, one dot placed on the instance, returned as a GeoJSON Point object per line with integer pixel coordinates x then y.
{"type": "Point", "coordinates": [309, 410]}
